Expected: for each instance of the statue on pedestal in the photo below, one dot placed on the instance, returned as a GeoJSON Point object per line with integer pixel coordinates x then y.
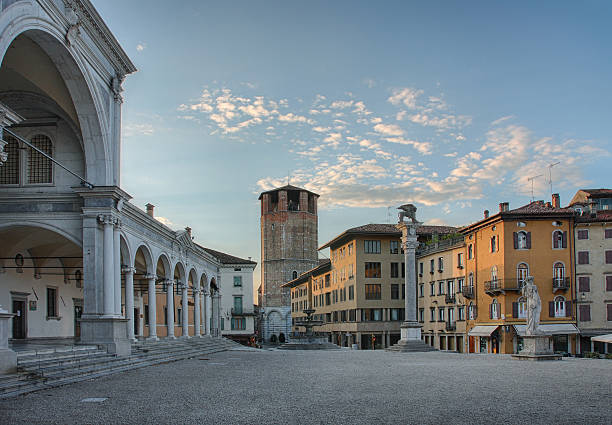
{"type": "Point", "coordinates": [534, 306]}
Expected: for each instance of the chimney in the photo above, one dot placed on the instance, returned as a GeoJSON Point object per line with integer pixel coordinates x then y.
{"type": "Point", "coordinates": [548, 205]}
{"type": "Point", "coordinates": [150, 208]}
{"type": "Point", "coordinates": [486, 213]}
{"type": "Point", "coordinates": [188, 229]}
{"type": "Point", "coordinates": [504, 207]}
{"type": "Point", "coordinates": [556, 200]}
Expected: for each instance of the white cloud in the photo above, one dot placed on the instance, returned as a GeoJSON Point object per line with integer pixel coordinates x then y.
{"type": "Point", "coordinates": [141, 46]}
{"type": "Point", "coordinates": [388, 129]}
{"type": "Point", "coordinates": [341, 104]}
{"type": "Point", "coordinates": [406, 96]}
{"type": "Point", "coordinates": [291, 117]}
{"type": "Point", "coordinates": [320, 129]}
{"type": "Point", "coordinates": [134, 129]}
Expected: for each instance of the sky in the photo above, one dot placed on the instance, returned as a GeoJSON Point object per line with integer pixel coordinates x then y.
{"type": "Point", "coordinates": [452, 106]}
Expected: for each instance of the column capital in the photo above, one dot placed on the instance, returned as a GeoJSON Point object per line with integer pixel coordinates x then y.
{"type": "Point", "coordinates": [106, 219]}
{"type": "Point", "coordinates": [169, 282]}
{"type": "Point", "coordinates": [128, 270]}
{"type": "Point", "coordinates": [196, 291]}
{"type": "Point", "coordinates": [117, 222]}
{"type": "Point", "coordinates": [149, 276]}
{"type": "Point", "coordinates": [205, 293]}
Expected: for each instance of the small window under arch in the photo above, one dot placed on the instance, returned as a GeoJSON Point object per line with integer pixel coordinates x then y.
{"type": "Point", "coordinates": [40, 168]}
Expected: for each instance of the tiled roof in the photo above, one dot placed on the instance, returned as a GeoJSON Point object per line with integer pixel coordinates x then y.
{"type": "Point", "coordinates": [287, 187]}
{"type": "Point", "coordinates": [390, 229]}
{"type": "Point", "coordinates": [598, 192]}
{"type": "Point", "coordinates": [324, 266]}
{"type": "Point", "coordinates": [226, 258]}
{"type": "Point", "coordinates": [539, 207]}
{"type": "Point", "coordinates": [600, 216]}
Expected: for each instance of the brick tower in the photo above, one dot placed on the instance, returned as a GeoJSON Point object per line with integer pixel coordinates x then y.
{"type": "Point", "coordinates": [289, 242]}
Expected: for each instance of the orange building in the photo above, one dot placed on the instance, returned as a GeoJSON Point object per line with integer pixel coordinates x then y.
{"type": "Point", "coordinates": [501, 251]}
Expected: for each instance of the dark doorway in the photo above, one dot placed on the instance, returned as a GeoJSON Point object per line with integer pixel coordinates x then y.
{"type": "Point", "coordinates": [78, 312]}
{"type": "Point", "coordinates": [136, 320]}
{"type": "Point", "coordinates": [19, 320]}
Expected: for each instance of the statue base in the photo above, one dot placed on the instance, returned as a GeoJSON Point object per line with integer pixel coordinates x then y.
{"type": "Point", "coordinates": [536, 347]}
{"type": "Point", "coordinates": [411, 340]}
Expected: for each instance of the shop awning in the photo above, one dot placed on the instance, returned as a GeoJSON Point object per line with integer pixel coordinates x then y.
{"type": "Point", "coordinates": [550, 329]}
{"type": "Point", "coordinates": [482, 330]}
{"type": "Point", "coordinates": [603, 338]}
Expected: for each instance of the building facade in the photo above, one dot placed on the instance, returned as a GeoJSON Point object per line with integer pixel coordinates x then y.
{"type": "Point", "coordinates": [593, 241]}
{"type": "Point", "coordinates": [360, 295]}
{"type": "Point", "coordinates": [501, 251]}
{"type": "Point", "coordinates": [289, 240]}
{"type": "Point", "coordinates": [440, 287]}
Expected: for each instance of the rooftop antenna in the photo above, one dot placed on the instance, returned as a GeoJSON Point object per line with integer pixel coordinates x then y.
{"type": "Point", "coordinates": [550, 175]}
{"type": "Point", "coordinates": [288, 177]}
{"type": "Point", "coordinates": [531, 179]}
{"type": "Point", "coordinates": [389, 215]}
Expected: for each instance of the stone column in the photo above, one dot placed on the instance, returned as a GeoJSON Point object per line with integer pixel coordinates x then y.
{"type": "Point", "coordinates": [152, 308]}
{"type": "Point", "coordinates": [206, 314]}
{"type": "Point", "coordinates": [108, 266]}
{"type": "Point", "coordinates": [170, 308]}
{"type": "Point", "coordinates": [185, 311]}
{"type": "Point", "coordinates": [8, 358]}
{"type": "Point", "coordinates": [129, 301]}
{"type": "Point", "coordinates": [214, 314]}
{"type": "Point", "coordinates": [117, 265]}
{"type": "Point", "coordinates": [196, 311]}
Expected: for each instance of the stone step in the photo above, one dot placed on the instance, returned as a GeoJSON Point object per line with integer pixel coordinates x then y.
{"type": "Point", "coordinates": [59, 358]}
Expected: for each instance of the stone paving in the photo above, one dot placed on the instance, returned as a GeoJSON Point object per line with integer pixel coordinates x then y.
{"type": "Point", "coordinates": [325, 387]}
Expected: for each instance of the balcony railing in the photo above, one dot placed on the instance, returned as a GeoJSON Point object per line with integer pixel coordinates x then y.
{"type": "Point", "coordinates": [560, 283]}
{"type": "Point", "coordinates": [241, 312]}
{"type": "Point", "coordinates": [450, 298]}
{"type": "Point", "coordinates": [468, 291]}
{"type": "Point", "coordinates": [451, 326]}
{"type": "Point", "coordinates": [494, 287]}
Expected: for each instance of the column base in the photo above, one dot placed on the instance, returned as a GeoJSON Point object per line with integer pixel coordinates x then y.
{"type": "Point", "coordinates": [8, 361]}
{"type": "Point", "coordinates": [536, 347]}
{"type": "Point", "coordinates": [107, 332]}
{"type": "Point", "coordinates": [411, 340]}
{"type": "Point", "coordinates": [185, 337]}
{"type": "Point", "coordinates": [171, 337]}
{"type": "Point", "coordinates": [152, 338]}
{"type": "Point", "coordinates": [411, 331]}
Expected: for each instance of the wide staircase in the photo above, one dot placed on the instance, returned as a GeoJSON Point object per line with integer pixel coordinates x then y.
{"type": "Point", "coordinates": [59, 366]}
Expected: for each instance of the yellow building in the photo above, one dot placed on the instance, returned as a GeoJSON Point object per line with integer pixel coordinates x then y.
{"type": "Point", "coordinates": [441, 303]}
{"type": "Point", "coordinates": [501, 251]}
{"type": "Point", "coordinates": [360, 298]}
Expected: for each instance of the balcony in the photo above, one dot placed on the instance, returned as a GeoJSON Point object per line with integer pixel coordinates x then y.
{"type": "Point", "coordinates": [468, 291]}
{"type": "Point", "coordinates": [241, 312]}
{"type": "Point", "coordinates": [451, 326]}
{"type": "Point", "coordinates": [450, 298]}
{"type": "Point", "coordinates": [494, 287]}
{"type": "Point", "coordinates": [560, 283]}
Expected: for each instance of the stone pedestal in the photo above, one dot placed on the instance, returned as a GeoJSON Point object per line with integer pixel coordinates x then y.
{"type": "Point", "coordinates": [107, 332]}
{"type": "Point", "coordinates": [411, 340]}
{"type": "Point", "coordinates": [536, 347]}
{"type": "Point", "coordinates": [8, 358]}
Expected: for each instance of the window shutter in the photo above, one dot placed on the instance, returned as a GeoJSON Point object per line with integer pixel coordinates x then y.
{"type": "Point", "coordinates": [564, 238]}
{"type": "Point", "coordinates": [584, 284]}
{"type": "Point", "coordinates": [515, 237]}
{"type": "Point", "coordinates": [551, 308]}
{"type": "Point", "coordinates": [568, 309]}
{"type": "Point", "coordinates": [609, 307]}
{"type": "Point", "coordinates": [608, 257]}
{"type": "Point", "coordinates": [528, 240]}
{"type": "Point", "coordinates": [609, 283]}
{"type": "Point", "coordinates": [585, 313]}
{"type": "Point", "coordinates": [490, 311]}
{"type": "Point", "coordinates": [515, 310]}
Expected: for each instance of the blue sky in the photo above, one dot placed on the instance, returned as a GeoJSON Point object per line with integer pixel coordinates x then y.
{"type": "Point", "coordinates": [448, 105]}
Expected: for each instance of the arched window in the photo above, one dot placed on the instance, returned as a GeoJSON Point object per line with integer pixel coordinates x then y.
{"type": "Point", "coordinates": [294, 275]}
{"type": "Point", "coordinates": [522, 239]}
{"type": "Point", "coordinates": [522, 308]}
{"type": "Point", "coordinates": [10, 170]}
{"type": "Point", "coordinates": [494, 274]}
{"type": "Point", "coordinates": [559, 306]}
{"type": "Point", "coordinates": [495, 310]}
{"type": "Point", "coordinates": [558, 273]}
{"type": "Point", "coordinates": [471, 280]}
{"type": "Point", "coordinates": [470, 252]}
{"type": "Point", "coordinates": [557, 237]}
{"type": "Point", "coordinates": [493, 243]}
{"type": "Point", "coordinates": [471, 312]}
{"type": "Point", "coordinates": [40, 168]}
{"type": "Point", "coordinates": [522, 271]}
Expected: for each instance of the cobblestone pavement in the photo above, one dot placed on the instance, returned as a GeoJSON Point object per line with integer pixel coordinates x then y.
{"type": "Point", "coordinates": [324, 387]}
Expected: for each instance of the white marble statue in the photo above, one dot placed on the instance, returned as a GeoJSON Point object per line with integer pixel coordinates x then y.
{"type": "Point", "coordinates": [534, 306]}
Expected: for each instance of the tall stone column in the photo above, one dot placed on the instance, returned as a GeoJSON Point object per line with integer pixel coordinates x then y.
{"type": "Point", "coordinates": [170, 308]}
{"type": "Point", "coordinates": [196, 311]}
{"type": "Point", "coordinates": [152, 308]}
{"type": "Point", "coordinates": [185, 311]}
{"type": "Point", "coordinates": [129, 301]}
{"type": "Point", "coordinates": [108, 266]}
{"type": "Point", "coordinates": [117, 265]}
{"type": "Point", "coordinates": [410, 329]}
{"type": "Point", "coordinates": [215, 317]}
{"type": "Point", "coordinates": [206, 314]}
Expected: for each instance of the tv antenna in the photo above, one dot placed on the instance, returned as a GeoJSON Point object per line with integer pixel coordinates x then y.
{"type": "Point", "coordinates": [531, 179]}
{"type": "Point", "coordinates": [550, 166]}
{"type": "Point", "coordinates": [389, 215]}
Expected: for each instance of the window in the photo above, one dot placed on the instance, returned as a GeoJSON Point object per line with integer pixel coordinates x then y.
{"type": "Point", "coordinates": [371, 247]}
{"type": "Point", "coordinates": [395, 292]}
{"type": "Point", "coordinates": [440, 264]}
{"type": "Point", "coordinates": [394, 270]}
{"type": "Point", "coordinates": [351, 292]}
{"type": "Point", "coordinates": [559, 239]}
{"type": "Point", "coordinates": [294, 275]}
{"type": "Point", "coordinates": [238, 305]}
{"type": "Point", "coordinates": [583, 234]}
{"type": "Point", "coordinates": [470, 252]}
{"type": "Point", "coordinates": [222, 324]}
{"type": "Point", "coordinates": [559, 307]}
{"type": "Point", "coordinates": [372, 291]}
{"type": "Point", "coordinates": [403, 270]}
{"type": "Point", "coordinates": [494, 310]}
{"type": "Point", "coordinates": [471, 280]}
{"type": "Point", "coordinates": [441, 287]}
{"type": "Point", "coordinates": [522, 271]}
{"type": "Point", "coordinates": [146, 314]}
{"type": "Point", "coordinates": [493, 243]}
{"type": "Point", "coordinates": [328, 298]}
{"type": "Point", "coordinates": [521, 308]}
{"type": "Point", "coordinates": [584, 284]}
{"type": "Point", "coordinates": [583, 257]}
{"type": "Point", "coordinates": [350, 249]}
{"type": "Point", "coordinates": [471, 312]}
{"type": "Point", "coordinates": [609, 311]}
{"type": "Point", "coordinates": [40, 169]}
{"type": "Point", "coordinates": [178, 316]}
{"type": "Point", "coordinates": [421, 315]}
{"type": "Point", "coordinates": [52, 303]}
{"type": "Point", "coordinates": [494, 274]}
{"type": "Point", "coordinates": [237, 280]}
{"type": "Point", "coordinates": [432, 288]}
{"type": "Point", "coordinates": [431, 266]}
{"type": "Point", "coordinates": [421, 290]}
{"type": "Point", "coordinates": [608, 257]}
{"type": "Point", "coordinates": [420, 269]}
{"type": "Point", "coordinates": [238, 324]}
{"type": "Point", "coordinates": [608, 233]}
{"type": "Point", "coordinates": [372, 270]}
{"type": "Point", "coordinates": [584, 310]}
{"type": "Point", "coordinates": [459, 285]}
{"type": "Point", "coordinates": [403, 291]}
{"type": "Point", "coordinates": [460, 260]}
{"type": "Point", "coordinates": [350, 272]}
{"type": "Point", "coordinates": [394, 247]}
{"type": "Point", "coordinates": [10, 170]}
{"type": "Point", "coordinates": [461, 313]}
{"type": "Point", "coordinates": [450, 287]}
{"type": "Point", "coordinates": [609, 283]}
{"type": "Point", "coordinates": [522, 240]}
{"type": "Point", "coordinates": [441, 311]}
{"type": "Point", "coordinates": [432, 314]}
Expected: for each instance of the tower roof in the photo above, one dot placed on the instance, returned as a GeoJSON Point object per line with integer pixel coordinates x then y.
{"type": "Point", "coordinates": [287, 187]}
